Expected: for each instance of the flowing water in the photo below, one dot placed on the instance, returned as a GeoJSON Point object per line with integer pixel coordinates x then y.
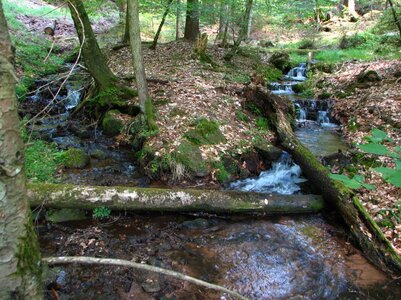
{"type": "Point", "coordinates": [282, 257]}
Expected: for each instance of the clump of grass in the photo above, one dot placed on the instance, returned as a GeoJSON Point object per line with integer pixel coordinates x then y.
{"type": "Point", "coordinates": [42, 161]}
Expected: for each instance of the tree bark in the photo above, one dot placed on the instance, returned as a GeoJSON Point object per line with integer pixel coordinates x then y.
{"type": "Point", "coordinates": [397, 20]}
{"type": "Point", "coordinates": [242, 32]}
{"type": "Point", "coordinates": [362, 227]}
{"type": "Point", "coordinates": [192, 20]}
{"type": "Point", "coordinates": [20, 274]}
{"type": "Point", "coordinates": [223, 20]}
{"type": "Point", "coordinates": [178, 21]}
{"type": "Point", "coordinates": [149, 199]}
{"type": "Point", "coordinates": [92, 55]}
{"type": "Point", "coordinates": [125, 40]}
{"type": "Point", "coordinates": [153, 46]}
{"type": "Point", "coordinates": [145, 101]}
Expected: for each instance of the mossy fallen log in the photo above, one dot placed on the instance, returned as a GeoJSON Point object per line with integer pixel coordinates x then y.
{"type": "Point", "coordinates": [364, 230]}
{"type": "Point", "coordinates": [151, 199]}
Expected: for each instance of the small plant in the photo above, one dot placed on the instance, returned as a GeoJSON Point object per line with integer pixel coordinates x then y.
{"type": "Point", "coordinates": [101, 212]}
{"type": "Point", "coordinates": [375, 146]}
{"type": "Point", "coordinates": [262, 123]}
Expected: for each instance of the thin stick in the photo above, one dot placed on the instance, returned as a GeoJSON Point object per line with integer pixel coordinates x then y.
{"type": "Point", "coordinates": [127, 263]}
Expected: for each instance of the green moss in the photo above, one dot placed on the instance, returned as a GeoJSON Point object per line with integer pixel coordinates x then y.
{"type": "Point", "coordinates": [65, 215]}
{"type": "Point", "coordinates": [75, 158]}
{"type": "Point", "coordinates": [262, 123]}
{"type": "Point", "coordinates": [241, 116]}
{"type": "Point", "coordinates": [190, 157]}
{"type": "Point", "coordinates": [28, 254]}
{"type": "Point", "coordinates": [206, 132]}
{"type": "Point", "coordinates": [299, 88]}
{"type": "Point", "coordinates": [150, 116]}
{"type": "Point", "coordinates": [111, 123]}
{"type": "Point", "coordinates": [269, 72]}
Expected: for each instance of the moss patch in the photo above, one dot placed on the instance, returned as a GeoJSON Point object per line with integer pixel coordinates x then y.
{"type": "Point", "coordinates": [111, 124]}
{"type": "Point", "coordinates": [190, 157]}
{"type": "Point", "coordinates": [75, 158]}
{"type": "Point", "coordinates": [206, 132]}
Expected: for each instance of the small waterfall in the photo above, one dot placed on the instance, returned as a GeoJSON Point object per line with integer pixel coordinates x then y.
{"type": "Point", "coordinates": [282, 178]}
{"type": "Point", "coordinates": [301, 113]}
{"type": "Point", "coordinates": [323, 119]}
{"type": "Point", "coordinates": [298, 73]}
{"type": "Point", "coordinates": [282, 88]}
{"type": "Point", "coordinates": [72, 98]}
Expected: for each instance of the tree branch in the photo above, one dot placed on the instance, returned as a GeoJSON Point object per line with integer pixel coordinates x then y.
{"type": "Point", "coordinates": [127, 263]}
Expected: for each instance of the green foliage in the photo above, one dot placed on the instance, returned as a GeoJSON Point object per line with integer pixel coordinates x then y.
{"type": "Point", "coordinates": [241, 116]}
{"type": "Point", "coordinates": [75, 158]}
{"type": "Point", "coordinates": [365, 39]}
{"type": "Point", "coordinates": [269, 73]}
{"type": "Point", "coordinates": [205, 132]}
{"type": "Point", "coordinates": [42, 161]}
{"type": "Point", "coordinates": [262, 123]}
{"type": "Point", "coordinates": [356, 182]}
{"type": "Point", "coordinates": [390, 217]}
{"type": "Point", "coordinates": [101, 212]}
{"type": "Point", "coordinates": [375, 146]}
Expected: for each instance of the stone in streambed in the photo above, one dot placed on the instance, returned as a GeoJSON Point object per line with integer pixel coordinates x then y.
{"type": "Point", "coordinates": [75, 158]}
{"type": "Point", "coordinates": [65, 215]}
{"type": "Point", "coordinates": [111, 123]}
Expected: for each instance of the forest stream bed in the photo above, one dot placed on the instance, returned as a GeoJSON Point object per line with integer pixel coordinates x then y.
{"type": "Point", "coordinates": [302, 257]}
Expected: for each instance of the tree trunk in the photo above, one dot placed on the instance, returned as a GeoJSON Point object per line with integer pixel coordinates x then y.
{"type": "Point", "coordinates": [223, 20]}
{"type": "Point", "coordinates": [192, 20]}
{"type": "Point", "coordinates": [178, 21]}
{"type": "Point", "coordinates": [242, 32]}
{"type": "Point", "coordinates": [20, 274]}
{"type": "Point", "coordinates": [364, 230]}
{"type": "Point", "coordinates": [92, 55]}
{"type": "Point", "coordinates": [350, 5]}
{"type": "Point", "coordinates": [153, 46]}
{"type": "Point", "coordinates": [125, 40]}
{"type": "Point", "coordinates": [150, 199]}
{"type": "Point", "coordinates": [397, 20]}
{"type": "Point", "coordinates": [249, 24]}
{"type": "Point", "coordinates": [145, 102]}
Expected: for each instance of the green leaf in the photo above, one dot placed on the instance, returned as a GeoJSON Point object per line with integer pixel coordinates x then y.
{"type": "Point", "coordinates": [398, 149]}
{"type": "Point", "coordinates": [348, 182]}
{"type": "Point", "coordinates": [359, 178]}
{"type": "Point", "coordinates": [377, 133]}
{"type": "Point", "coordinates": [386, 172]}
{"type": "Point", "coordinates": [375, 149]}
{"type": "Point", "coordinates": [395, 179]}
{"type": "Point", "coordinates": [398, 164]}
{"type": "Point", "coordinates": [368, 186]}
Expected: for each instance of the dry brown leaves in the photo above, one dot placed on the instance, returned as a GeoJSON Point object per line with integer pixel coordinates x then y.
{"type": "Point", "coordinates": [378, 106]}
{"type": "Point", "coordinates": [193, 90]}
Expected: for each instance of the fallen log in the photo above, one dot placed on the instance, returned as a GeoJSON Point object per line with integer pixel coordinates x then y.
{"type": "Point", "coordinates": [362, 227]}
{"type": "Point", "coordinates": [151, 199]}
{"type": "Point", "coordinates": [50, 29]}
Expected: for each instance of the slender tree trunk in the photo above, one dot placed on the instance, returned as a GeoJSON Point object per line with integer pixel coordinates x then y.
{"type": "Point", "coordinates": [242, 32]}
{"type": "Point", "coordinates": [223, 20]}
{"type": "Point", "coordinates": [249, 23]}
{"type": "Point", "coordinates": [126, 30]}
{"type": "Point", "coordinates": [145, 102]}
{"type": "Point", "coordinates": [178, 21]}
{"type": "Point", "coordinates": [153, 46]}
{"type": "Point", "coordinates": [397, 20]}
{"type": "Point", "coordinates": [350, 5]}
{"type": "Point", "coordinates": [192, 20]}
{"type": "Point", "coordinates": [20, 275]}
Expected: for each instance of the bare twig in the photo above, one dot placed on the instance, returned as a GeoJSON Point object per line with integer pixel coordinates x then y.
{"type": "Point", "coordinates": [51, 49]}
{"type": "Point", "coordinates": [68, 75]}
{"type": "Point", "coordinates": [127, 263]}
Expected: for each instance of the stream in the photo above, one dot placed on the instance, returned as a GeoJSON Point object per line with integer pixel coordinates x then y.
{"type": "Point", "coordinates": [282, 257]}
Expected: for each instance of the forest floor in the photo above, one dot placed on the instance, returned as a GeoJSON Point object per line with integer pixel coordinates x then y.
{"type": "Point", "coordinates": [185, 89]}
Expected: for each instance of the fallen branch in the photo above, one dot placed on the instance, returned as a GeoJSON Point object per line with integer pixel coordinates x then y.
{"type": "Point", "coordinates": [127, 263]}
{"type": "Point", "coordinates": [363, 228]}
{"type": "Point", "coordinates": [151, 199]}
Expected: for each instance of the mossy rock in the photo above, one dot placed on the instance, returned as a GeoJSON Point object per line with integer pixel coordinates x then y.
{"type": "Point", "coordinates": [206, 132]}
{"type": "Point", "coordinates": [267, 151]}
{"type": "Point", "coordinates": [281, 60]}
{"type": "Point", "coordinates": [98, 154]}
{"type": "Point", "coordinates": [190, 157]}
{"type": "Point", "coordinates": [111, 123]}
{"type": "Point", "coordinates": [75, 158]}
{"type": "Point", "coordinates": [324, 96]}
{"type": "Point", "coordinates": [65, 215]}
{"type": "Point", "coordinates": [368, 76]}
